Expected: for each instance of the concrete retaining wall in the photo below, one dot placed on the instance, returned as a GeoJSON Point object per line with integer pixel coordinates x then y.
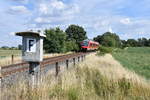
{"type": "Point", "coordinates": [9, 78]}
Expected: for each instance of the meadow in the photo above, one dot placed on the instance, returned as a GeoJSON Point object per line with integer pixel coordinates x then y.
{"type": "Point", "coordinates": [6, 53]}
{"type": "Point", "coordinates": [6, 57]}
{"type": "Point", "coordinates": [136, 59]}
{"type": "Point", "coordinates": [97, 78]}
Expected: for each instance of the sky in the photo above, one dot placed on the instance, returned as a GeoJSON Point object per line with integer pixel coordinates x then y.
{"type": "Point", "coordinates": [127, 18]}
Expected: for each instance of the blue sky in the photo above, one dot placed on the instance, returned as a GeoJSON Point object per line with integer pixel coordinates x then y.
{"type": "Point", "coordinates": [127, 18]}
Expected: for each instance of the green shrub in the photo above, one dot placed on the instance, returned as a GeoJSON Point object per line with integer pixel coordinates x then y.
{"type": "Point", "coordinates": [103, 50]}
{"type": "Point", "coordinates": [71, 46]}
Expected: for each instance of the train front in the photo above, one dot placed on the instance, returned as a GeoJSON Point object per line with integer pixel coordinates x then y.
{"type": "Point", "coordinates": [84, 45]}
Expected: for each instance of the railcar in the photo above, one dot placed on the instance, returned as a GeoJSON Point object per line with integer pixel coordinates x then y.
{"type": "Point", "coordinates": [89, 45]}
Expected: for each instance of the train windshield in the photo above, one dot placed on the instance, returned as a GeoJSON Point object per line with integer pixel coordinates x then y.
{"type": "Point", "coordinates": [84, 43]}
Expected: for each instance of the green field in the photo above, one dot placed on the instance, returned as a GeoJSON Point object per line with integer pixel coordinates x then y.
{"type": "Point", "coordinates": [136, 59]}
{"type": "Point", "coordinates": [7, 53]}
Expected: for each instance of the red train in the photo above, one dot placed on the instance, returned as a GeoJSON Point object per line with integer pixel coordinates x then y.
{"type": "Point", "coordinates": [89, 45]}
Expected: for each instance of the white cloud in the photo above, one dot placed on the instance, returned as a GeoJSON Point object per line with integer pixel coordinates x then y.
{"type": "Point", "coordinates": [39, 20]}
{"type": "Point", "coordinates": [18, 9]}
{"type": "Point", "coordinates": [54, 12]}
{"type": "Point", "coordinates": [22, 1]}
{"type": "Point", "coordinates": [52, 7]}
{"type": "Point", "coordinates": [43, 9]}
{"type": "Point", "coordinates": [125, 21]}
{"type": "Point", "coordinates": [58, 5]}
{"type": "Point", "coordinates": [125, 27]}
{"type": "Point", "coordinates": [97, 16]}
{"type": "Point", "coordinates": [12, 33]}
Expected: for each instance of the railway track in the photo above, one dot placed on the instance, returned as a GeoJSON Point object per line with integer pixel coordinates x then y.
{"type": "Point", "coordinates": [21, 67]}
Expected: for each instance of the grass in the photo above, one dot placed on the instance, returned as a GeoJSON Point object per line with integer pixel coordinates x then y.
{"type": "Point", "coordinates": [5, 53]}
{"type": "Point", "coordinates": [97, 78]}
{"type": "Point", "coordinates": [6, 56]}
{"type": "Point", "coordinates": [136, 59]}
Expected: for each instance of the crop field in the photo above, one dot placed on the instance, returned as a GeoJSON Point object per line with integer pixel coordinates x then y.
{"type": "Point", "coordinates": [136, 59]}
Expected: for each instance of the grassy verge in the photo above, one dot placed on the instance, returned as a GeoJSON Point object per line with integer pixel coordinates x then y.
{"type": "Point", "coordinates": [136, 59]}
{"type": "Point", "coordinates": [98, 78]}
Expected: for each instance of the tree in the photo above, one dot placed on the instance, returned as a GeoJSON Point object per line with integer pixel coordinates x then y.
{"type": "Point", "coordinates": [71, 46]}
{"type": "Point", "coordinates": [123, 43]}
{"type": "Point", "coordinates": [149, 42]}
{"type": "Point", "coordinates": [98, 38]}
{"type": "Point", "coordinates": [76, 33]}
{"type": "Point", "coordinates": [143, 42]}
{"type": "Point", "coordinates": [109, 39]}
{"type": "Point", "coordinates": [20, 47]}
{"type": "Point", "coordinates": [54, 41]}
{"type": "Point", "coordinates": [132, 42]}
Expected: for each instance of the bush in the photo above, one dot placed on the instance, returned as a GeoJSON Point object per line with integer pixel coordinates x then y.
{"type": "Point", "coordinates": [71, 46]}
{"type": "Point", "coordinates": [103, 50]}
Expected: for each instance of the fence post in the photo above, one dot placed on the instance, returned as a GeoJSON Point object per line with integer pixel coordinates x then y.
{"type": "Point", "coordinates": [67, 63]}
{"type": "Point", "coordinates": [74, 61]}
{"type": "Point", "coordinates": [12, 59]}
{"type": "Point", "coordinates": [78, 59]}
{"type": "Point", "coordinates": [57, 69]}
{"type": "Point", "coordinates": [84, 57]}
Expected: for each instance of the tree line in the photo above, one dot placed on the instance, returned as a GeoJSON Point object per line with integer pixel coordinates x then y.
{"type": "Point", "coordinates": [9, 48]}
{"type": "Point", "coordinates": [109, 39]}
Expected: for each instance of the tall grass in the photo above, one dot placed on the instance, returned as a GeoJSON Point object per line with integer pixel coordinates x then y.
{"type": "Point", "coordinates": [97, 78]}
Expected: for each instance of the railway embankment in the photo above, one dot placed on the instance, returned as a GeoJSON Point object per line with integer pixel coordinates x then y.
{"type": "Point", "coordinates": [13, 73]}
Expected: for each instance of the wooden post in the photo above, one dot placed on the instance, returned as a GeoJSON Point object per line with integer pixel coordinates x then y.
{"type": "Point", "coordinates": [57, 69]}
{"type": "Point", "coordinates": [78, 59]}
{"type": "Point", "coordinates": [67, 63]}
{"type": "Point", "coordinates": [82, 57]}
{"type": "Point", "coordinates": [74, 61]}
{"type": "Point", "coordinates": [12, 59]}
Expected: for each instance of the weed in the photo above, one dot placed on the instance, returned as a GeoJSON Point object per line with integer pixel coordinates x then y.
{"type": "Point", "coordinates": [73, 94]}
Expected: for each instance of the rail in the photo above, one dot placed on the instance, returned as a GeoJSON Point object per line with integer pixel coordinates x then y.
{"type": "Point", "coordinates": [20, 67]}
